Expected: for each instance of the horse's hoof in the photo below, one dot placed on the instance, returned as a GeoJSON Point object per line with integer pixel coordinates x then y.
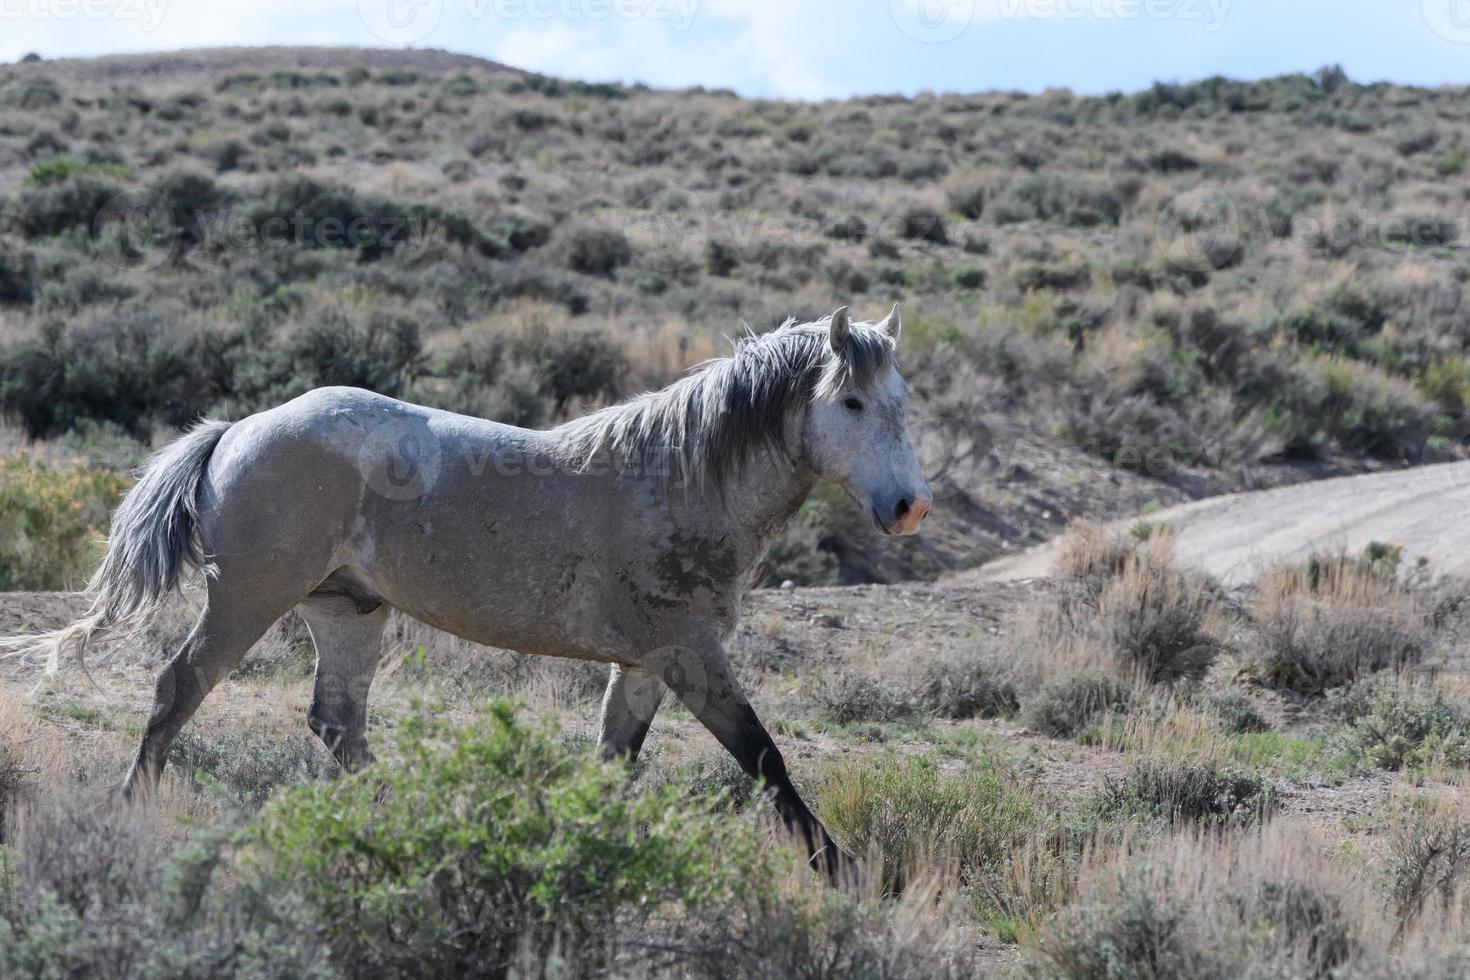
{"type": "Point", "coordinates": [840, 869]}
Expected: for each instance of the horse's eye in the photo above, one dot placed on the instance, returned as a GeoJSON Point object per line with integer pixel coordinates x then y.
{"type": "Point", "coordinates": [853, 405]}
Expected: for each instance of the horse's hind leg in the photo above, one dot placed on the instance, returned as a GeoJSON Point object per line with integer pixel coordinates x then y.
{"type": "Point", "coordinates": [227, 628]}
{"type": "Point", "coordinates": [346, 626]}
{"type": "Point", "coordinates": [632, 698]}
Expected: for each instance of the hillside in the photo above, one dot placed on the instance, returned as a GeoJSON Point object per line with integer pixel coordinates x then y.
{"type": "Point", "coordinates": [1110, 302]}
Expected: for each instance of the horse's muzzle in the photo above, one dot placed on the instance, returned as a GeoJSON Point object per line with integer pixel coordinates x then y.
{"type": "Point", "coordinates": [908, 514]}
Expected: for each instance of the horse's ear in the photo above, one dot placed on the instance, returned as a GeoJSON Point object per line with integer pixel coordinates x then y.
{"type": "Point", "coordinates": [840, 330]}
{"type": "Point", "coordinates": [892, 324]}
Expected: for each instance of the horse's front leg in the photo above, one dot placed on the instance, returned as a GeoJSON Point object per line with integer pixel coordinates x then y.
{"type": "Point", "coordinates": [700, 675]}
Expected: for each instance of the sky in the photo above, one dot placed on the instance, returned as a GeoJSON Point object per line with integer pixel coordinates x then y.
{"type": "Point", "coordinates": [808, 50]}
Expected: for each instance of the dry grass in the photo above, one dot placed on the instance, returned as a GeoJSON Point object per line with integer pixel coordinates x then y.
{"type": "Point", "coordinates": [1088, 550]}
{"type": "Point", "coordinates": [1333, 622]}
{"type": "Point", "coordinates": [1205, 905]}
{"type": "Point", "coordinates": [1162, 622]}
{"type": "Point", "coordinates": [1125, 619]}
{"type": "Point", "coordinates": [19, 735]}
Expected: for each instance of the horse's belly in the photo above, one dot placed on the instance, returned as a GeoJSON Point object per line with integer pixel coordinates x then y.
{"type": "Point", "coordinates": [560, 612]}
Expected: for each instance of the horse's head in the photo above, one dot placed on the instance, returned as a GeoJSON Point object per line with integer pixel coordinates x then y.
{"type": "Point", "coordinates": [855, 430]}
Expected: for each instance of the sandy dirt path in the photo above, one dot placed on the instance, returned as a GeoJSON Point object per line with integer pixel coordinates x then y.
{"type": "Point", "coordinates": [1425, 509]}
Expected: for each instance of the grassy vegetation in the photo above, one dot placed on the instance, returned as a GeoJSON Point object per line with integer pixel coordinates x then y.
{"type": "Point", "coordinates": [1170, 830]}
{"type": "Point", "coordinates": [521, 247]}
{"type": "Point", "coordinates": [1126, 771]}
{"type": "Point", "coordinates": [51, 522]}
{"type": "Point", "coordinates": [489, 849]}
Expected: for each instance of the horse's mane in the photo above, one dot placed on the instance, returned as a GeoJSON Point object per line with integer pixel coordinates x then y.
{"type": "Point", "coordinates": [704, 427]}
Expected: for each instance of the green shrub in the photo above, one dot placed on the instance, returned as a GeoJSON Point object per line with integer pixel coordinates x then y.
{"type": "Point", "coordinates": [56, 170]}
{"type": "Point", "coordinates": [1186, 792]}
{"type": "Point", "coordinates": [1151, 925]}
{"type": "Point", "coordinates": [1135, 933]}
{"type": "Point", "coordinates": [596, 250]}
{"type": "Point", "coordinates": [846, 697]}
{"type": "Point", "coordinates": [84, 894]}
{"type": "Point", "coordinates": [527, 376]}
{"type": "Point", "coordinates": [1156, 619]}
{"type": "Point", "coordinates": [923, 223]}
{"type": "Point", "coordinates": [312, 213]}
{"type": "Point", "coordinates": [911, 815]}
{"type": "Point", "coordinates": [17, 275]}
{"type": "Point", "coordinates": [966, 196]}
{"type": "Point", "coordinates": [1236, 712]}
{"type": "Point", "coordinates": [377, 349]}
{"type": "Point", "coordinates": [56, 208]}
{"type": "Point", "coordinates": [249, 766]}
{"type": "Point", "coordinates": [131, 370]}
{"type": "Point", "coordinates": [51, 522]}
{"type": "Point", "coordinates": [489, 844]}
{"type": "Point", "coordinates": [797, 553]}
{"type": "Point", "coordinates": [1396, 725]}
{"type": "Point", "coordinates": [1057, 197]}
{"type": "Point", "coordinates": [1067, 706]}
{"type": "Point", "coordinates": [965, 685]}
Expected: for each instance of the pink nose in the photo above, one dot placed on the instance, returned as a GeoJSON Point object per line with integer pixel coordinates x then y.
{"type": "Point", "coordinates": [909, 514]}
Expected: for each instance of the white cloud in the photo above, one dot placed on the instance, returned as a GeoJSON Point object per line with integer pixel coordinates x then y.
{"type": "Point", "coordinates": [761, 46]}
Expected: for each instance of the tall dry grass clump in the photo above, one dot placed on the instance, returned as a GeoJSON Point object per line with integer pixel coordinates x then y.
{"type": "Point", "coordinates": [1088, 550]}
{"type": "Point", "coordinates": [1210, 906]}
{"type": "Point", "coordinates": [17, 738]}
{"type": "Point", "coordinates": [1161, 621]}
{"type": "Point", "coordinates": [1125, 617]}
{"type": "Point", "coordinates": [1428, 867]}
{"type": "Point", "coordinates": [1328, 623]}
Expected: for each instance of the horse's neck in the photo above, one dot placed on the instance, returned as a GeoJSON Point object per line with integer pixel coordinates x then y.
{"type": "Point", "coordinates": [753, 507]}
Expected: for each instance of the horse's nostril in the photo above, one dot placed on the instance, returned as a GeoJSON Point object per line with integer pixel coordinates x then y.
{"type": "Point", "coordinates": [902, 509]}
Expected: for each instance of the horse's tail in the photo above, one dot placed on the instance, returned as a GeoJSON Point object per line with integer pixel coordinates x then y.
{"type": "Point", "coordinates": [150, 543]}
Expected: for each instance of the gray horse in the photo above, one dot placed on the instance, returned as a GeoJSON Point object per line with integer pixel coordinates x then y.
{"type": "Point", "coordinates": [627, 537]}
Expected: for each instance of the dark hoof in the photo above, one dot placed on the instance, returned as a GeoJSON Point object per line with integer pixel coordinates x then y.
{"type": "Point", "coordinates": [838, 868]}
